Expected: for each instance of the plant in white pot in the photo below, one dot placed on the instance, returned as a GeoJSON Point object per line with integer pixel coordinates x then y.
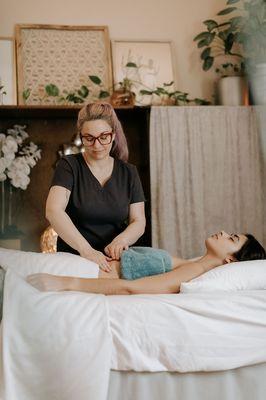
{"type": "Point", "coordinates": [239, 39]}
{"type": "Point", "coordinates": [231, 86]}
{"type": "Point", "coordinates": [254, 44]}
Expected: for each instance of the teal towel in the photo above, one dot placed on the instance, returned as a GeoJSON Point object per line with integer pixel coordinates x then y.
{"type": "Point", "coordinates": [138, 262]}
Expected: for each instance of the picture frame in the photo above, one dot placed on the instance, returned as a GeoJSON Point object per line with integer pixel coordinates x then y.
{"type": "Point", "coordinates": [63, 56]}
{"type": "Point", "coordinates": [153, 62]}
{"type": "Point", "coordinates": [8, 71]}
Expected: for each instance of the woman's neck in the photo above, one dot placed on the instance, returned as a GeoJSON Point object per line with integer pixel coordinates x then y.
{"type": "Point", "coordinates": [209, 261]}
{"type": "Point", "coordinates": [98, 164]}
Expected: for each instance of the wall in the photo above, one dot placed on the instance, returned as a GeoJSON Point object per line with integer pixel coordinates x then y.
{"type": "Point", "coordinates": [176, 20]}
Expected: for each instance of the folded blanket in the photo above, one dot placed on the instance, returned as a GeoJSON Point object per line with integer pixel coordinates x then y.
{"type": "Point", "coordinates": [138, 262]}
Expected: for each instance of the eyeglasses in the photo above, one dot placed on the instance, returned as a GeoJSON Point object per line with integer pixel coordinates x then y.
{"type": "Point", "coordinates": [103, 139]}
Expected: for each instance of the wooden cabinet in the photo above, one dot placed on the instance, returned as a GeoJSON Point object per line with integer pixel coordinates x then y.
{"type": "Point", "coordinates": [51, 127]}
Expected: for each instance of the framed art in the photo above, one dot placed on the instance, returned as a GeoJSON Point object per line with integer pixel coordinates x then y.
{"type": "Point", "coordinates": [62, 57]}
{"type": "Point", "coordinates": [8, 91]}
{"type": "Point", "coordinates": [147, 64]}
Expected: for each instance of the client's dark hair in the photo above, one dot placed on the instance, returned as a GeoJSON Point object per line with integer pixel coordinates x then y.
{"type": "Point", "coordinates": [251, 250]}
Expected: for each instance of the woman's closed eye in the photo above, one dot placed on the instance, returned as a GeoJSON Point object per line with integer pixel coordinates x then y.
{"type": "Point", "coordinates": [234, 237]}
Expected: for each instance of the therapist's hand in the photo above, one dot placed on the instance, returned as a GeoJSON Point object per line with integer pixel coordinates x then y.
{"type": "Point", "coordinates": [99, 258]}
{"type": "Point", "coordinates": [115, 248]}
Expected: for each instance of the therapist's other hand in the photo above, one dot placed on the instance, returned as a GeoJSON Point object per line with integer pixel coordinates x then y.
{"type": "Point", "coordinates": [115, 248]}
{"type": "Point", "coordinates": [99, 258]}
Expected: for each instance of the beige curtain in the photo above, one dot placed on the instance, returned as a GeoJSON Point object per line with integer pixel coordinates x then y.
{"type": "Point", "coordinates": [206, 175]}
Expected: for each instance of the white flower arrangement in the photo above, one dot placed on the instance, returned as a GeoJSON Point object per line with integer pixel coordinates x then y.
{"type": "Point", "coordinates": [16, 157]}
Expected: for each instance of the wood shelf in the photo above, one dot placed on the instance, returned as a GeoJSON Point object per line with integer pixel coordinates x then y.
{"type": "Point", "coordinates": [57, 111]}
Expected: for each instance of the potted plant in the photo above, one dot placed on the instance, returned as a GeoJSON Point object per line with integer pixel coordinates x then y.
{"type": "Point", "coordinates": [123, 96]}
{"type": "Point", "coordinates": [166, 95]}
{"type": "Point", "coordinates": [231, 86]}
{"type": "Point", "coordinates": [239, 39]}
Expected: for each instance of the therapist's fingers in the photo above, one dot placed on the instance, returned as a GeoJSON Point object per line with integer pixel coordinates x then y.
{"type": "Point", "coordinates": [115, 249]}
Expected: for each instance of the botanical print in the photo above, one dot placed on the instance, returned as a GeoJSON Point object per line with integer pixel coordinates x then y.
{"type": "Point", "coordinates": [146, 64]}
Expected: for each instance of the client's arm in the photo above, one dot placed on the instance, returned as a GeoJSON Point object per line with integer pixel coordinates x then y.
{"type": "Point", "coordinates": [164, 283]}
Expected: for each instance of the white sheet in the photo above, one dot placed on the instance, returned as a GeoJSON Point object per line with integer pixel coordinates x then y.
{"type": "Point", "coordinates": [55, 346]}
{"type": "Point", "coordinates": [188, 332]}
{"type": "Point", "coordinates": [59, 345]}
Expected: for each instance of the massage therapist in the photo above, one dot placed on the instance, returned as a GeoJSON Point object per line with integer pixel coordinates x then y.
{"type": "Point", "coordinates": [96, 200]}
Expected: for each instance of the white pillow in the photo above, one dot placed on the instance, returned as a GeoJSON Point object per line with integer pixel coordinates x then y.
{"type": "Point", "coordinates": [244, 275]}
{"type": "Point", "coordinates": [25, 263]}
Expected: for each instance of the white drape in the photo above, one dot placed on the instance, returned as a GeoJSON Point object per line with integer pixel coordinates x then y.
{"type": "Point", "coordinates": [206, 175]}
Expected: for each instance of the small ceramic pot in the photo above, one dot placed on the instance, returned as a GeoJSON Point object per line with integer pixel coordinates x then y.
{"type": "Point", "coordinates": [232, 91]}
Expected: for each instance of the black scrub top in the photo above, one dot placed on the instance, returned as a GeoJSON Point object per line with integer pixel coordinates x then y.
{"type": "Point", "coordinates": [99, 213]}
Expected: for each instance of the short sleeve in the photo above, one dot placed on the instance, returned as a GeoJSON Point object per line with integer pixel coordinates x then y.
{"type": "Point", "coordinates": [63, 175]}
{"type": "Point", "coordinates": [137, 194]}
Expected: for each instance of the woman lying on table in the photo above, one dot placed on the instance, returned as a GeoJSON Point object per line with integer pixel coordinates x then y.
{"type": "Point", "coordinates": [147, 270]}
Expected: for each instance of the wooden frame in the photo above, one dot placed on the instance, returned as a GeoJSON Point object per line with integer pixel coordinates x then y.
{"type": "Point", "coordinates": [8, 71]}
{"type": "Point", "coordinates": [62, 55]}
{"type": "Point", "coordinates": [154, 60]}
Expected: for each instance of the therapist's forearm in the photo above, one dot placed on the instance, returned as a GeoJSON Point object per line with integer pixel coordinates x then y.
{"type": "Point", "coordinates": [133, 232]}
{"type": "Point", "coordinates": [65, 228]}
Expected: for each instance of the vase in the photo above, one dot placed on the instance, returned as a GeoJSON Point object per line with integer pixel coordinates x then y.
{"type": "Point", "coordinates": [9, 210]}
{"type": "Point", "coordinates": [258, 84]}
{"type": "Point", "coordinates": [232, 91]}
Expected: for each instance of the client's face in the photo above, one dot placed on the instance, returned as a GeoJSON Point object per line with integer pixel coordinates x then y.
{"type": "Point", "coordinates": [224, 245]}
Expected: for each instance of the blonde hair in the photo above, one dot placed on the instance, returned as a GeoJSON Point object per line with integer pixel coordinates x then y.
{"type": "Point", "coordinates": [94, 111]}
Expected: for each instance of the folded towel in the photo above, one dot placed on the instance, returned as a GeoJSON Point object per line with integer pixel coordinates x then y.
{"type": "Point", "coordinates": [138, 262]}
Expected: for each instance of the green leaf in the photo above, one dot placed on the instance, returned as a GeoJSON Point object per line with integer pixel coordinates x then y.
{"type": "Point", "coordinates": [161, 90]}
{"type": "Point", "coordinates": [208, 40]}
{"type": "Point", "coordinates": [208, 62]}
{"type": "Point", "coordinates": [205, 53]}
{"type": "Point", "coordinates": [223, 35]}
{"type": "Point", "coordinates": [26, 94]}
{"type": "Point", "coordinates": [70, 97]}
{"type": "Point", "coordinates": [83, 91]}
{"type": "Point", "coordinates": [146, 92]}
{"type": "Point", "coordinates": [228, 44]}
{"type": "Point", "coordinates": [168, 84]}
{"type": "Point", "coordinates": [236, 21]}
{"type": "Point", "coordinates": [95, 79]}
{"type": "Point", "coordinates": [78, 100]}
{"type": "Point", "coordinates": [103, 94]}
{"type": "Point", "coordinates": [131, 65]}
{"type": "Point", "coordinates": [74, 99]}
{"type": "Point", "coordinates": [202, 102]}
{"type": "Point", "coordinates": [227, 11]}
{"type": "Point", "coordinates": [232, 2]}
{"type": "Point", "coordinates": [183, 97]}
{"type": "Point", "coordinates": [211, 24]}
{"type": "Point", "coordinates": [200, 36]}
{"type": "Point", "coordinates": [52, 90]}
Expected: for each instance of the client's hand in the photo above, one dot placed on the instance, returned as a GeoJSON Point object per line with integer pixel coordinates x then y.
{"type": "Point", "coordinates": [115, 248]}
{"type": "Point", "coordinates": [46, 282]}
{"type": "Point", "coordinates": [99, 258]}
